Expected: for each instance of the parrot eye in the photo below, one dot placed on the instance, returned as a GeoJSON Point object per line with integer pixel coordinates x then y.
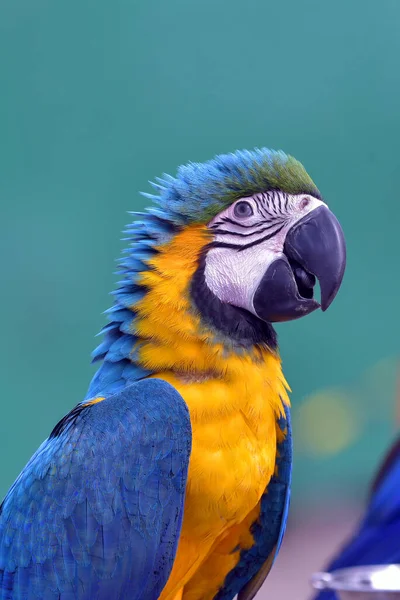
{"type": "Point", "coordinates": [243, 209]}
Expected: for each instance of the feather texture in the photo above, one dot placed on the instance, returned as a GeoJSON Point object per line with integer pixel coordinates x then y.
{"type": "Point", "coordinates": [160, 331]}
{"type": "Point", "coordinates": [256, 562]}
{"type": "Point", "coordinates": [201, 190]}
{"type": "Point", "coordinates": [97, 511]}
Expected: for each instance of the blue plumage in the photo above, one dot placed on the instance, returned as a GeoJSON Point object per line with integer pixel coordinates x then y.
{"type": "Point", "coordinates": [97, 511]}
{"type": "Point", "coordinates": [377, 538]}
{"type": "Point", "coordinates": [204, 189]}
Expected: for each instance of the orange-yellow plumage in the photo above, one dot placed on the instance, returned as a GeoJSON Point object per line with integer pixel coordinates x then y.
{"type": "Point", "coordinates": [234, 402]}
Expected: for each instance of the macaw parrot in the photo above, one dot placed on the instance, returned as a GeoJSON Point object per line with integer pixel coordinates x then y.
{"type": "Point", "coordinates": [376, 540]}
{"type": "Point", "coordinates": [171, 479]}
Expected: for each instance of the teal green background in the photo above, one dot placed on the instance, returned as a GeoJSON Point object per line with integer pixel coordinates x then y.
{"type": "Point", "coordinates": [97, 97]}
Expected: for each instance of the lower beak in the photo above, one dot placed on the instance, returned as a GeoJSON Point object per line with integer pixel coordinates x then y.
{"type": "Point", "coordinates": [314, 248]}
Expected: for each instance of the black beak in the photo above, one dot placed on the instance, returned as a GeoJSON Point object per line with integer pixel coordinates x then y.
{"type": "Point", "coordinates": [314, 248]}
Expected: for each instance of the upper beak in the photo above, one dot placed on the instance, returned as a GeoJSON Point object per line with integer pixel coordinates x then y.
{"type": "Point", "coordinates": [314, 248]}
{"type": "Point", "coordinates": [317, 243]}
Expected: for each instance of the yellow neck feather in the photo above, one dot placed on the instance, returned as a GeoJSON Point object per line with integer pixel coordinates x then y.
{"type": "Point", "coordinates": [173, 339]}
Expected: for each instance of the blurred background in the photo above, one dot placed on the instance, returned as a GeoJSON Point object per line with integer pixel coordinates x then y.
{"type": "Point", "coordinates": [98, 97]}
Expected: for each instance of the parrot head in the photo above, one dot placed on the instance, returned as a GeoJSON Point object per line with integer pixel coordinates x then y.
{"type": "Point", "coordinates": [269, 249]}
{"type": "Point", "coordinates": [270, 238]}
{"type": "Point", "coordinates": [231, 246]}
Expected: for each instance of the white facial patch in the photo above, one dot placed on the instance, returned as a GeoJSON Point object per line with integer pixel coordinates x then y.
{"type": "Point", "coordinates": [248, 236]}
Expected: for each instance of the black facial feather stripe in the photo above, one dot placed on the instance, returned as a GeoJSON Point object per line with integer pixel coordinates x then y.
{"type": "Point", "coordinates": [265, 238]}
{"type": "Point", "coordinates": [261, 208]}
{"type": "Point", "coordinates": [250, 233]}
{"type": "Point", "coordinates": [228, 220]}
{"type": "Point", "coordinates": [239, 247]}
{"type": "Point", "coordinates": [263, 200]}
{"type": "Point", "coordinates": [277, 202]}
{"type": "Point", "coordinates": [267, 203]}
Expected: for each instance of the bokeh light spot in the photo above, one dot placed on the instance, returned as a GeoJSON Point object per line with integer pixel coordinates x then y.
{"type": "Point", "coordinates": [325, 423]}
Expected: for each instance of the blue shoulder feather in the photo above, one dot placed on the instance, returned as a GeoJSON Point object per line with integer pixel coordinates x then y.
{"type": "Point", "coordinates": [96, 513]}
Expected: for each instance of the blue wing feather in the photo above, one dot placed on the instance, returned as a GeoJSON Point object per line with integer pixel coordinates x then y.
{"type": "Point", "coordinates": [96, 513]}
{"type": "Point", "coordinates": [377, 538]}
{"type": "Point", "coordinates": [247, 577]}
